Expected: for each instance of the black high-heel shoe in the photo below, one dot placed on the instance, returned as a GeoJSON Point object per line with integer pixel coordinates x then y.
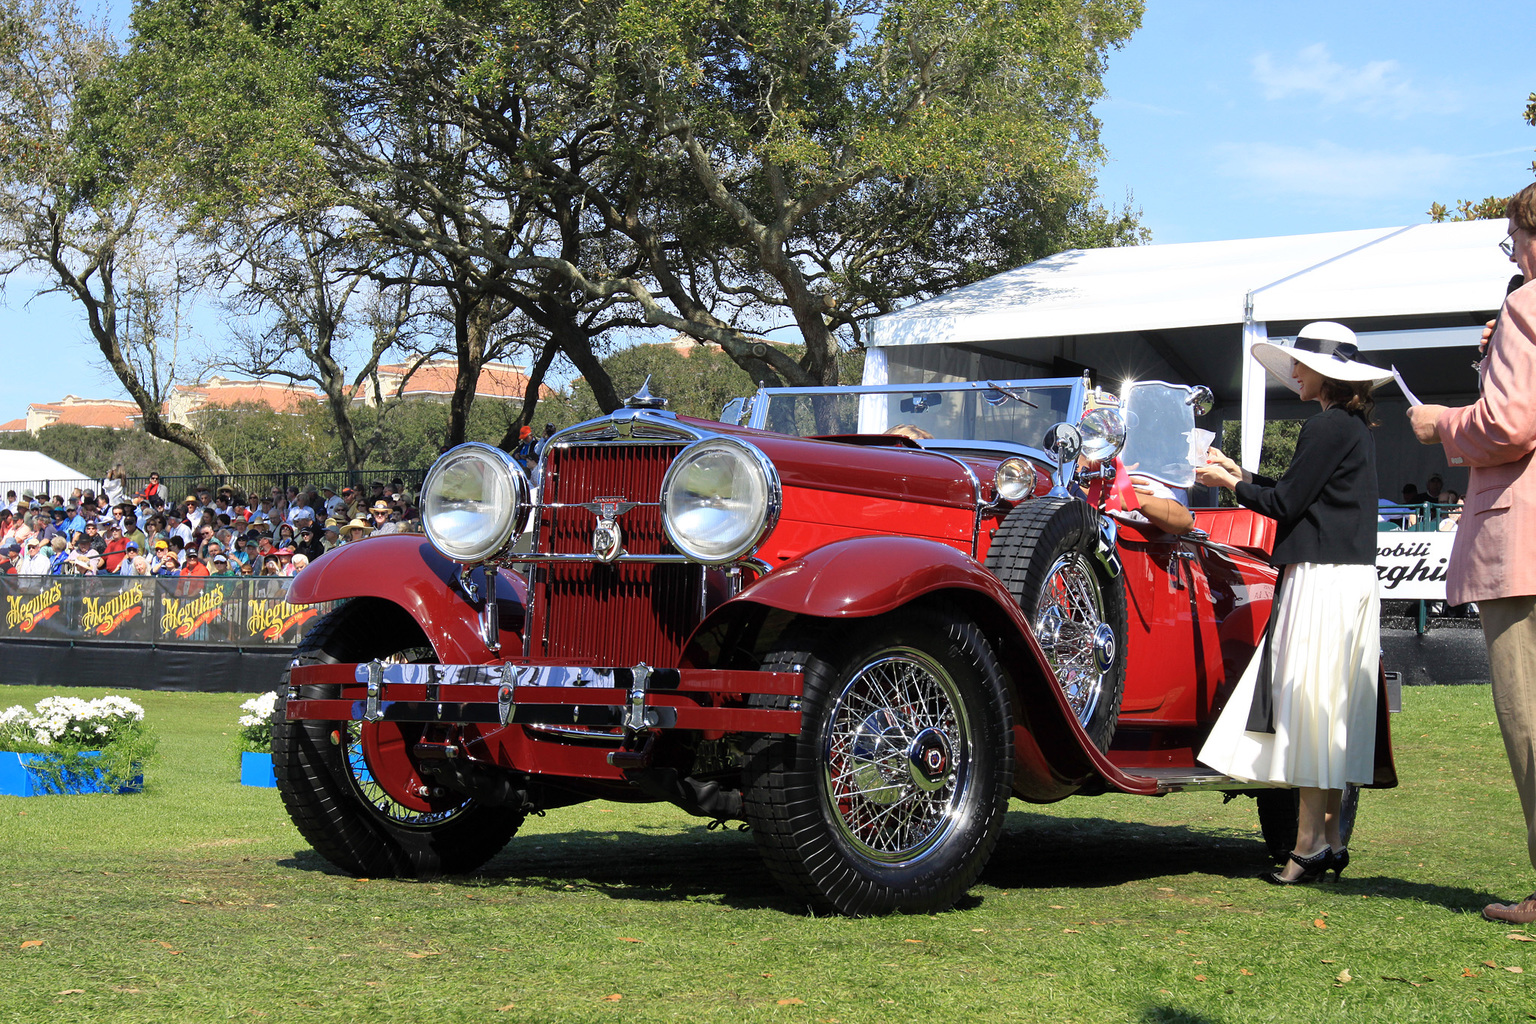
{"type": "Point", "coordinates": [1340, 862]}
{"type": "Point", "coordinates": [1312, 868]}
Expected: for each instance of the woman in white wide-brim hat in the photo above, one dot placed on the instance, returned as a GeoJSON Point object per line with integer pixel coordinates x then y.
{"type": "Point", "coordinates": [1304, 712]}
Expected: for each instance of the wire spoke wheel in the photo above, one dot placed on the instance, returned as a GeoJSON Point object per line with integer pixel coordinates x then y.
{"type": "Point", "coordinates": [892, 795]}
{"type": "Point", "coordinates": [1047, 554]}
{"type": "Point", "coordinates": [354, 789]}
{"type": "Point", "coordinates": [1069, 624]}
{"type": "Point", "coordinates": [896, 752]}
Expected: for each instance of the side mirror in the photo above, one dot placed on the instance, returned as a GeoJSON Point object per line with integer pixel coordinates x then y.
{"type": "Point", "coordinates": [1201, 398]}
{"type": "Point", "coordinates": [1064, 441]}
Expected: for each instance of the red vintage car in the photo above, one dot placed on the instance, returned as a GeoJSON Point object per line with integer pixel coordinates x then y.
{"type": "Point", "coordinates": [863, 643]}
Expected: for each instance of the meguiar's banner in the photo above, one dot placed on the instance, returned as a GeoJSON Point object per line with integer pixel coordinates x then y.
{"type": "Point", "coordinates": [220, 611]}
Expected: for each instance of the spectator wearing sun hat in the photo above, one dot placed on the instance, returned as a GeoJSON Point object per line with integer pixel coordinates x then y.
{"type": "Point", "coordinates": [36, 553]}
{"type": "Point", "coordinates": [355, 530]}
{"type": "Point", "coordinates": [383, 514]}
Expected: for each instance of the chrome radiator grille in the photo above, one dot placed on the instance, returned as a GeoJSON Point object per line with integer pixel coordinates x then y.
{"type": "Point", "coordinates": [620, 614]}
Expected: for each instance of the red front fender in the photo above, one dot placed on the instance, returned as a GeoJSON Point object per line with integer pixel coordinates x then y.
{"type": "Point", "coordinates": [408, 571]}
{"type": "Point", "coordinates": [868, 576]}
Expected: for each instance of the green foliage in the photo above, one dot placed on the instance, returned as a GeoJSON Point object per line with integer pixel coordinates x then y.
{"type": "Point", "coordinates": [94, 450]}
{"type": "Point", "coordinates": [1275, 451]}
{"type": "Point", "coordinates": [253, 438]}
{"type": "Point", "coordinates": [104, 738]}
{"type": "Point", "coordinates": [706, 165]}
{"type": "Point", "coordinates": [1491, 208]}
{"type": "Point", "coordinates": [695, 382]}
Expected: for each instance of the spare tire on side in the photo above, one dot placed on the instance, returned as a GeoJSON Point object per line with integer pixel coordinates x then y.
{"type": "Point", "coordinates": [1046, 554]}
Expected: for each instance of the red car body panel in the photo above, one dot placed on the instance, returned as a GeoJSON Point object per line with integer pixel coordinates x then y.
{"type": "Point", "coordinates": [406, 570]}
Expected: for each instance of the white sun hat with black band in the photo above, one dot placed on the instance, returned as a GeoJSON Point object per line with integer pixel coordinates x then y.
{"type": "Point", "coordinates": [1326, 347]}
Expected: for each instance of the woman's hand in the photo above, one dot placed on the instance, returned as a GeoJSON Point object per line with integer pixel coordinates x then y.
{"type": "Point", "coordinates": [1219, 470]}
{"type": "Point", "coordinates": [1214, 457]}
{"type": "Point", "coordinates": [1216, 476]}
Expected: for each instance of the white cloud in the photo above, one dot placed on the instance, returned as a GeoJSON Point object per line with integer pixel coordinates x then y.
{"type": "Point", "coordinates": [1326, 170]}
{"type": "Point", "coordinates": [1377, 87]}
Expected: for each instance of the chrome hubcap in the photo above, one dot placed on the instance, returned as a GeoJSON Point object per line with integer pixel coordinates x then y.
{"type": "Point", "coordinates": [895, 752]}
{"type": "Point", "coordinates": [1070, 628]}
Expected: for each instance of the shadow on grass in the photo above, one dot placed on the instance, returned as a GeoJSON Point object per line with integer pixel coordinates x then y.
{"type": "Point", "coordinates": [1173, 1015]}
{"type": "Point", "coordinates": [644, 864]}
{"type": "Point", "coordinates": [1036, 851]}
{"type": "Point", "coordinates": [1040, 851]}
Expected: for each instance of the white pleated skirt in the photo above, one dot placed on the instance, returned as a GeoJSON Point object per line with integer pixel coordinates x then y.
{"type": "Point", "coordinates": [1324, 654]}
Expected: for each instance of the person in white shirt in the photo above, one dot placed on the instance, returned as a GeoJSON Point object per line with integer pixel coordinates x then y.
{"type": "Point", "coordinates": [35, 557]}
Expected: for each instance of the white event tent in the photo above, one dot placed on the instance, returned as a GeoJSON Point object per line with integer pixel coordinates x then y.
{"type": "Point", "coordinates": [21, 471]}
{"type": "Point", "coordinates": [1417, 296]}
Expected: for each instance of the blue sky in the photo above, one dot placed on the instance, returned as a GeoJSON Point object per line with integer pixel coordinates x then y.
{"type": "Point", "coordinates": [1247, 119]}
{"type": "Point", "coordinates": [1223, 120]}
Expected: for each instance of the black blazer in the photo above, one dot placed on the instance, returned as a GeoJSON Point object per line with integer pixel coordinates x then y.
{"type": "Point", "coordinates": [1325, 504]}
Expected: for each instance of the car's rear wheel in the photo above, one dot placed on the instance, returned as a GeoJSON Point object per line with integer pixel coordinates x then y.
{"type": "Point", "coordinates": [353, 789]}
{"type": "Point", "coordinates": [893, 795]}
{"type": "Point", "coordinates": [1045, 552]}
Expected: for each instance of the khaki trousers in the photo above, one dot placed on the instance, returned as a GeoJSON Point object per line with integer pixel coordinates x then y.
{"type": "Point", "coordinates": [1509, 629]}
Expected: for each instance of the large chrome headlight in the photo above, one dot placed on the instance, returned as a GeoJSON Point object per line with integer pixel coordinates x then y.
{"type": "Point", "coordinates": [470, 502]}
{"type": "Point", "coordinates": [718, 499]}
{"type": "Point", "coordinates": [1103, 432]}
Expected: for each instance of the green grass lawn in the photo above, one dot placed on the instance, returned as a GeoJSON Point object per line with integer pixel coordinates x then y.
{"type": "Point", "coordinates": [196, 900]}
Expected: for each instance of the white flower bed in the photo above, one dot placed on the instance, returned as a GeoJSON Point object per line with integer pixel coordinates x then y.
{"type": "Point", "coordinates": [69, 721]}
{"type": "Point", "coordinates": [256, 723]}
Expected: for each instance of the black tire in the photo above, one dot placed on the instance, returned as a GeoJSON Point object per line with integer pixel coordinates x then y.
{"type": "Point", "coordinates": [905, 709]}
{"type": "Point", "coordinates": [329, 787]}
{"type": "Point", "coordinates": [1277, 818]}
{"type": "Point", "coordinates": [1046, 555]}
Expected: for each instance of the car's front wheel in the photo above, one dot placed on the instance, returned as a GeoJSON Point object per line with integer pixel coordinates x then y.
{"type": "Point", "coordinates": [353, 789]}
{"type": "Point", "coordinates": [893, 795]}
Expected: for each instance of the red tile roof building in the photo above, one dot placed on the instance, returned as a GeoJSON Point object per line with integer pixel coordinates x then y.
{"type": "Point", "coordinates": [280, 396]}
{"type": "Point", "coordinates": [82, 412]}
{"type": "Point", "coordinates": [433, 380]}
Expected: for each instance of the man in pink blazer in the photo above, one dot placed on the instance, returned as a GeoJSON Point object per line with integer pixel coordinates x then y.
{"type": "Point", "coordinates": [1494, 559]}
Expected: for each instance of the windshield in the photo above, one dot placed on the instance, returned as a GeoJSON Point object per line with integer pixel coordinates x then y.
{"type": "Point", "coordinates": [1017, 412]}
{"type": "Point", "coordinates": [1162, 441]}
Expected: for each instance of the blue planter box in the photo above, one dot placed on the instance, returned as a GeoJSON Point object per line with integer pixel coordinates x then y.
{"type": "Point", "coordinates": [19, 777]}
{"type": "Point", "coordinates": [256, 770]}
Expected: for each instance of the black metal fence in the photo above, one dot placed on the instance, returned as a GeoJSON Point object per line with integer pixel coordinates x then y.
{"type": "Point", "coordinates": [257, 484]}
{"type": "Point", "coordinates": [248, 484]}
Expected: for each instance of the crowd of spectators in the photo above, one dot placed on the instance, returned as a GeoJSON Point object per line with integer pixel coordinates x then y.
{"type": "Point", "coordinates": [218, 533]}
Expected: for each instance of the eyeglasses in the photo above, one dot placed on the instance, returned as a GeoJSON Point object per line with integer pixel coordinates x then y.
{"type": "Point", "coordinates": [1507, 247]}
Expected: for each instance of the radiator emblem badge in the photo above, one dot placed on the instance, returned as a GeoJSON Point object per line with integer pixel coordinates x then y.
{"type": "Point", "coordinates": [607, 538]}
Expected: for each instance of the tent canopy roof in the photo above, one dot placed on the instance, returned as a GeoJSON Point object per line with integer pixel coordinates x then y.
{"type": "Point", "coordinates": [31, 468]}
{"type": "Point", "coordinates": [1419, 270]}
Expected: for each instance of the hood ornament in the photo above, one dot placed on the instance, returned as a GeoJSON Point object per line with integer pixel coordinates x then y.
{"type": "Point", "coordinates": [643, 399]}
{"type": "Point", "coordinates": [607, 538]}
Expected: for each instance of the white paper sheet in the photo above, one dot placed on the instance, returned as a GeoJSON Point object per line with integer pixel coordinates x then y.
{"type": "Point", "coordinates": [1413, 399]}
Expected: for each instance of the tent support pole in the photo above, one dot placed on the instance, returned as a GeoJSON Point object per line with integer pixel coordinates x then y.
{"type": "Point", "coordinates": [1252, 411]}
